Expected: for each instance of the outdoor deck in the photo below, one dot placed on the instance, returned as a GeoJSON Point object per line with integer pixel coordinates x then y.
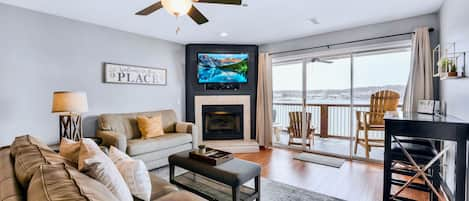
{"type": "Point", "coordinates": [334, 127]}
{"type": "Point", "coordinates": [335, 146]}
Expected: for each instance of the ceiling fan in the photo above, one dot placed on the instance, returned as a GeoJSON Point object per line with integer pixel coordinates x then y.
{"type": "Point", "coordinates": [182, 7]}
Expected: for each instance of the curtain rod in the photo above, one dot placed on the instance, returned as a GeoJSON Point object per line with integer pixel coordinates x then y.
{"type": "Point", "coordinates": [348, 42]}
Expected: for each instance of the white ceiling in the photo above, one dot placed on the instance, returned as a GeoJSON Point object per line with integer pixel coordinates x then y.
{"type": "Point", "coordinates": [262, 21]}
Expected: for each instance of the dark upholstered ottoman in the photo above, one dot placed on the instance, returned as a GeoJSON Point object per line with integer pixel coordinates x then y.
{"type": "Point", "coordinates": [233, 173]}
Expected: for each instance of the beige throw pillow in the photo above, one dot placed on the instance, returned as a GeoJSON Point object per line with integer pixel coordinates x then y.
{"type": "Point", "coordinates": [135, 173]}
{"type": "Point", "coordinates": [97, 165]}
{"type": "Point", "coordinates": [150, 126]}
{"type": "Point", "coordinates": [69, 149]}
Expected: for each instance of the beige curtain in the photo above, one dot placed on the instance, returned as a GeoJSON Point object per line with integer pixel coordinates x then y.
{"type": "Point", "coordinates": [420, 84]}
{"type": "Point", "coordinates": [264, 101]}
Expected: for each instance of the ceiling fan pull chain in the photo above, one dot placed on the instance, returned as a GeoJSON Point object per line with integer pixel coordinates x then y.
{"type": "Point", "coordinates": [177, 24]}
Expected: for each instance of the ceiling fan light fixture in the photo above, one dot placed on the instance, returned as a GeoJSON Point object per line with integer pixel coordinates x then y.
{"type": "Point", "coordinates": [177, 7]}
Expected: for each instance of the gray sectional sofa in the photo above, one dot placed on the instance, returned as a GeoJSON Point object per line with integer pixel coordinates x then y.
{"type": "Point", "coordinates": [24, 164]}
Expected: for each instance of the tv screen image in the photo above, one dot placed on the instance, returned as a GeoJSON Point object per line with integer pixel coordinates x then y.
{"type": "Point", "coordinates": [222, 68]}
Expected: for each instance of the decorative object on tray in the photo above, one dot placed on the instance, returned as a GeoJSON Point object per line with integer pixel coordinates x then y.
{"type": "Point", "coordinates": [449, 63]}
{"type": "Point", "coordinates": [210, 156]}
{"type": "Point", "coordinates": [70, 105]}
{"type": "Point", "coordinates": [129, 74]}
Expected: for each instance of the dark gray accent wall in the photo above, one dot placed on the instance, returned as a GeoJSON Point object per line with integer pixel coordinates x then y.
{"type": "Point", "coordinates": [42, 53]}
{"type": "Point", "coordinates": [455, 93]}
{"type": "Point", "coordinates": [193, 88]}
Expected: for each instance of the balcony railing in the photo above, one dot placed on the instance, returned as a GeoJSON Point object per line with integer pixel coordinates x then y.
{"type": "Point", "coordinates": [329, 120]}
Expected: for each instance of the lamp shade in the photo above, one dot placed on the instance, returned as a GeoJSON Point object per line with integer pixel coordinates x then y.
{"type": "Point", "coordinates": [69, 102]}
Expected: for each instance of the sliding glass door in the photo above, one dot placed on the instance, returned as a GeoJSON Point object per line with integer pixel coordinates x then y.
{"type": "Point", "coordinates": [328, 99]}
{"type": "Point", "coordinates": [287, 84]}
{"type": "Point", "coordinates": [327, 92]}
{"type": "Point", "coordinates": [376, 71]}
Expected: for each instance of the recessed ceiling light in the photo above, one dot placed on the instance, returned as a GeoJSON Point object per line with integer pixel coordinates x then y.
{"type": "Point", "coordinates": [314, 20]}
{"type": "Point", "coordinates": [223, 34]}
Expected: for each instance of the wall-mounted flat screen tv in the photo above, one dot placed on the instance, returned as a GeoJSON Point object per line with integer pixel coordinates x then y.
{"type": "Point", "coordinates": [222, 68]}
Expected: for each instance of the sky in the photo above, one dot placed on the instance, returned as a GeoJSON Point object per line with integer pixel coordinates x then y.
{"type": "Point", "coordinates": [369, 70]}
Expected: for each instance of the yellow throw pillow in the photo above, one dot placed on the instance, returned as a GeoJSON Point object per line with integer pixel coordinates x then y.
{"type": "Point", "coordinates": [150, 126]}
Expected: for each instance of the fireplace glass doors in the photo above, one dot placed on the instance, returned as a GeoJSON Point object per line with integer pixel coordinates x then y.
{"type": "Point", "coordinates": [222, 122]}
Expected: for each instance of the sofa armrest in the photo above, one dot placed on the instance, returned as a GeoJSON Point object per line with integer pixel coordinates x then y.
{"type": "Point", "coordinates": [113, 138]}
{"type": "Point", "coordinates": [187, 127]}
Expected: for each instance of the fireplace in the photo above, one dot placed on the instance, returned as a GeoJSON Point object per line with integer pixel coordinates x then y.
{"type": "Point", "coordinates": [222, 122]}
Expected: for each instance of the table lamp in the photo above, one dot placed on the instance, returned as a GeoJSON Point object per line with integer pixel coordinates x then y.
{"type": "Point", "coordinates": [69, 105]}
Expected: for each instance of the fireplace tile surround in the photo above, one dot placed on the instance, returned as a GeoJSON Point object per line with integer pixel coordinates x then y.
{"type": "Point", "coordinates": [246, 144]}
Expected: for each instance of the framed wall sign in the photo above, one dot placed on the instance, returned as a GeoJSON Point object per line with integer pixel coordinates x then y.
{"type": "Point", "coordinates": [129, 74]}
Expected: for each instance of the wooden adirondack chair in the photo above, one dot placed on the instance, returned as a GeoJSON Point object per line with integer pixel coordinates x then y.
{"type": "Point", "coordinates": [380, 103]}
{"type": "Point", "coordinates": [296, 124]}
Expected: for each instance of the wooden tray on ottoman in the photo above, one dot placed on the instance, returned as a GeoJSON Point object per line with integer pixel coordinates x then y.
{"type": "Point", "coordinates": [211, 156]}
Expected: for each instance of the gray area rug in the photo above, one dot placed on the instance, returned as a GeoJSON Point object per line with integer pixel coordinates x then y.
{"type": "Point", "coordinates": [319, 159]}
{"type": "Point", "coordinates": [270, 190]}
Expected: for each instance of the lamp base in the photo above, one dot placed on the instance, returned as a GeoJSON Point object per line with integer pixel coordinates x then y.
{"type": "Point", "coordinates": [70, 127]}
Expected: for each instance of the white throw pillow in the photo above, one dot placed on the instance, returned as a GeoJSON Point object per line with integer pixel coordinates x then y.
{"type": "Point", "coordinates": [69, 149]}
{"type": "Point", "coordinates": [97, 165]}
{"type": "Point", "coordinates": [135, 173]}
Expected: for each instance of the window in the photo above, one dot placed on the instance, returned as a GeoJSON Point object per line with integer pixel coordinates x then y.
{"type": "Point", "coordinates": [329, 84]}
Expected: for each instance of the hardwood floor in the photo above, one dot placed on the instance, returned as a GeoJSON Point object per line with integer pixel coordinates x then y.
{"type": "Point", "coordinates": [354, 181]}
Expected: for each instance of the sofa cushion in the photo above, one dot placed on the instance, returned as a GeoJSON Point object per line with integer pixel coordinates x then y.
{"type": "Point", "coordinates": [9, 188]}
{"type": "Point", "coordinates": [159, 158]}
{"type": "Point", "coordinates": [126, 123]}
{"type": "Point", "coordinates": [59, 182]}
{"type": "Point", "coordinates": [29, 158]}
{"type": "Point", "coordinates": [24, 141]}
{"type": "Point", "coordinates": [160, 187]}
{"type": "Point", "coordinates": [180, 195]}
{"type": "Point", "coordinates": [141, 146]}
{"type": "Point", "coordinates": [163, 190]}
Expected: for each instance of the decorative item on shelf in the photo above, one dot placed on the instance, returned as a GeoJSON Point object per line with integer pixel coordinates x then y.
{"type": "Point", "coordinates": [443, 64]}
{"type": "Point", "coordinates": [453, 71]}
{"type": "Point", "coordinates": [450, 63]}
{"type": "Point", "coordinates": [70, 105]}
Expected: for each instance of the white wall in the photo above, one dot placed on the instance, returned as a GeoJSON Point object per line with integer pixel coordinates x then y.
{"type": "Point", "coordinates": [454, 24]}
{"type": "Point", "coordinates": [359, 33]}
{"type": "Point", "coordinates": [41, 53]}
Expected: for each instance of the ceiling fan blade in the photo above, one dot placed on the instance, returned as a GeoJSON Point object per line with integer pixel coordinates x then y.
{"type": "Point", "coordinates": [233, 2]}
{"type": "Point", "coordinates": [197, 16]}
{"type": "Point", "coordinates": [150, 9]}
